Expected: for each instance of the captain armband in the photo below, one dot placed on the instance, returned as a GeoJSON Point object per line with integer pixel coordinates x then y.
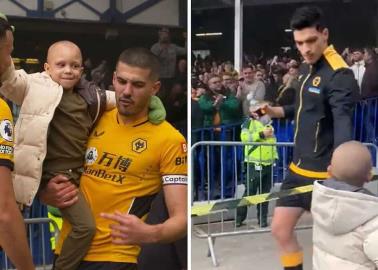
{"type": "Point", "coordinates": [175, 179]}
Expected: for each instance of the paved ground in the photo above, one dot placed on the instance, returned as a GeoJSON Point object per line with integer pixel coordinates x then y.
{"type": "Point", "coordinates": [252, 251]}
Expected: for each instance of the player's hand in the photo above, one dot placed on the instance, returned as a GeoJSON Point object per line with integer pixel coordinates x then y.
{"type": "Point", "coordinates": [128, 229]}
{"type": "Point", "coordinates": [257, 112]}
{"type": "Point", "coordinates": [59, 192]}
{"type": "Point", "coordinates": [273, 112]}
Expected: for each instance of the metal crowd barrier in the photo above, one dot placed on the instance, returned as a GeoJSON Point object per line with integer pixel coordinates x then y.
{"type": "Point", "coordinates": [39, 242]}
{"type": "Point", "coordinates": [224, 161]}
{"type": "Point", "coordinates": [364, 130]}
{"type": "Point", "coordinates": [223, 224]}
{"type": "Point", "coordinates": [284, 131]}
{"type": "Point", "coordinates": [366, 120]}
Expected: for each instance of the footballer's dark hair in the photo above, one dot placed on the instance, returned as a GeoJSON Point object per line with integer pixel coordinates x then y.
{"type": "Point", "coordinates": [308, 16]}
{"type": "Point", "coordinates": [141, 58]}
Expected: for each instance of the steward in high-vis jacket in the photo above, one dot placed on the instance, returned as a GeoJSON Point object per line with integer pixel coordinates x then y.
{"type": "Point", "coordinates": [323, 113]}
{"type": "Point", "coordinates": [259, 161]}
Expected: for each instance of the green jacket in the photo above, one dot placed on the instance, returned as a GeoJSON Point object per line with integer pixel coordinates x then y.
{"type": "Point", "coordinates": [229, 110]}
{"type": "Point", "coordinates": [264, 154]}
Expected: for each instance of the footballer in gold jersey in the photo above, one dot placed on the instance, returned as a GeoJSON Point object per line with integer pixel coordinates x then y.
{"type": "Point", "coordinates": [12, 230]}
{"type": "Point", "coordinates": [6, 136]}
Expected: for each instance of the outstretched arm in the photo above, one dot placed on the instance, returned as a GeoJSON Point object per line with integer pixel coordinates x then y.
{"type": "Point", "coordinates": [14, 84]}
{"type": "Point", "coordinates": [275, 112]}
{"type": "Point", "coordinates": [12, 228]}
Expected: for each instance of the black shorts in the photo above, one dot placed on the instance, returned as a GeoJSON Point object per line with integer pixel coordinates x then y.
{"type": "Point", "coordinates": [293, 180]}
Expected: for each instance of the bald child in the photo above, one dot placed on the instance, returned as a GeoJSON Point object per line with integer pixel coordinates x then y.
{"type": "Point", "coordinates": [345, 214]}
{"type": "Point", "coordinates": [58, 113]}
{"type": "Point", "coordinates": [66, 145]}
{"type": "Point", "coordinates": [350, 168]}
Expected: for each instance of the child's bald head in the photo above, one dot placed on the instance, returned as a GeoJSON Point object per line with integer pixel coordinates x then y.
{"type": "Point", "coordinates": [63, 44]}
{"type": "Point", "coordinates": [64, 63]}
{"type": "Point", "coordinates": [351, 163]}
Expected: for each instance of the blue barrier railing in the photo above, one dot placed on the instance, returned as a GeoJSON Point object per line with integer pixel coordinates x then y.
{"type": "Point", "coordinates": [365, 120]}
{"type": "Point", "coordinates": [38, 233]}
{"type": "Point", "coordinates": [220, 175]}
{"type": "Point", "coordinates": [226, 163]}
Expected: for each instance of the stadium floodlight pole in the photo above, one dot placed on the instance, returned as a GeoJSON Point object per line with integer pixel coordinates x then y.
{"type": "Point", "coordinates": [238, 35]}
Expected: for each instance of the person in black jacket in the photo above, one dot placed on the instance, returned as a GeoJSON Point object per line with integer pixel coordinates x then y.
{"type": "Point", "coordinates": [323, 120]}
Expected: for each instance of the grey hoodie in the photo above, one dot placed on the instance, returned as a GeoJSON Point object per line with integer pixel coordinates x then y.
{"type": "Point", "coordinates": [345, 233]}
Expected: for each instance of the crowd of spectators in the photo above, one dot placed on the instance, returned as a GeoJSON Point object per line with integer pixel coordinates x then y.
{"type": "Point", "coordinates": [273, 79]}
